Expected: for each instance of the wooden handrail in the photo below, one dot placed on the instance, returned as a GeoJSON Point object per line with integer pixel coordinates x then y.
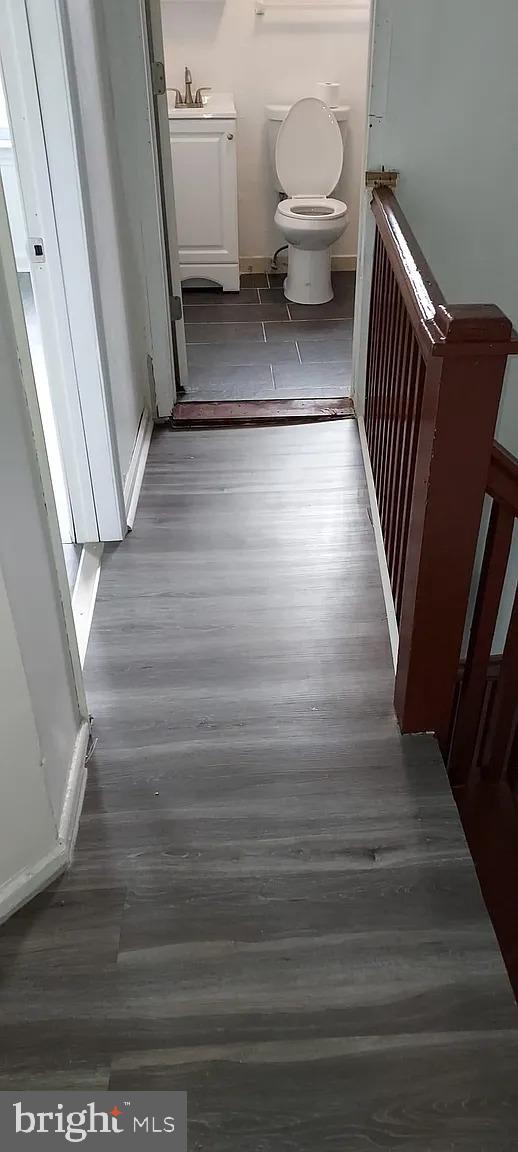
{"type": "Point", "coordinates": [434, 379]}
{"type": "Point", "coordinates": [502, 483]}
{"type": "Point", "coordinates": [415, 272]}
{"type": "Point", "coordinates": [440, 329]}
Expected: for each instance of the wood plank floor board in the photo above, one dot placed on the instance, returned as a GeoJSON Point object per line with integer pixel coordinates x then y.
{"type": "Point", "coordinates": [222, 413]}
{"type": "Point", "coordinates": [271, 903]}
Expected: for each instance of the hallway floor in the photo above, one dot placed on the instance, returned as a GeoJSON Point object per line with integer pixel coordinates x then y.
{"type": "Point", "coordinates": [271, 904]}
{"type": "Point", "coordinates": [255, 345]}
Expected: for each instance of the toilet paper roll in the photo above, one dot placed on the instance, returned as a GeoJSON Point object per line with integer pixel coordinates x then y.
{"type": "Point", "coordinates": [329, 93]}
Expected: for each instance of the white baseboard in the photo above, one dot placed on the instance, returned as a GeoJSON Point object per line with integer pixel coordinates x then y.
{"type": "Point", "coordinates": [84, 594]}
{"type": "Point", "coordinates": [28, 883]}
{"type": "Point", "coordinates": [87, 579]}
{"type": "Point", "coordinates": [133, 482]}
{"type": "Point", "coordinates": [380, 547]}
{"type": "Point", "coordinates": [264, 263]}
{"type": "Point", "coordinates": [74, 793]}
{"type": "Point", "coordinates": [21, 888]}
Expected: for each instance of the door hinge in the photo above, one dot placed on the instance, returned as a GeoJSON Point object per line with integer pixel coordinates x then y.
{"type": "Point", "coordinates": [158, 78]}
{"type": "Point", "coordinates": [176, 307]}
{"type": "Point", "coordinates": [379, 176]}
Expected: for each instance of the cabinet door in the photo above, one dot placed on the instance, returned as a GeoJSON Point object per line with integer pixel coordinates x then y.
{"type": "Point", "coordinates": [204, 174]}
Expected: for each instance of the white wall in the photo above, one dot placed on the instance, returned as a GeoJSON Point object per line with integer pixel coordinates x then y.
{"type": "Point", "coordinates": [27, 824]}
{"type": "Point", "coordinates": [265, 59]}
{"type": "Point", "coordinates": [445, 91]}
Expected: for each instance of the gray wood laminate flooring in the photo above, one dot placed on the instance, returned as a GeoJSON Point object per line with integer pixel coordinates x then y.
{"type": "Point", "coordinates": [271, 904]}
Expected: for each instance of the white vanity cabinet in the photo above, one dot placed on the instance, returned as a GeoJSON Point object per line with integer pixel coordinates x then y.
{"type": "Point", "coordinates": [203, 145]}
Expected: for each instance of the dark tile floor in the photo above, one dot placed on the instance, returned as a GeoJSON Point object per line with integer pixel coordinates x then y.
{"type": "Point", "coordinates": [256, 345]}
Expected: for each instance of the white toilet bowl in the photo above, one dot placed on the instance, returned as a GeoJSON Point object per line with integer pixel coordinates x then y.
{"type": "Point", "coordinates": [308, 160]}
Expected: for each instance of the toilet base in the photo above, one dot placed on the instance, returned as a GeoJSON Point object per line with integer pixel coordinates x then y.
{"type": "Point", "coordinates": [309, 276]}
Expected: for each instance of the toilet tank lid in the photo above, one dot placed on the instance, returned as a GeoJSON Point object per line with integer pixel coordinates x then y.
{"type": "Point", "coordinates": [280, 111]}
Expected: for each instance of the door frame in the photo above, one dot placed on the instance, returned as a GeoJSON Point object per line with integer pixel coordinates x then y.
{"type": "Point", "coordinates": [380, 42]}
{"type": "Point", "coordinates": [30, 157]}
{"type": "Point", "coordinates": [41, 99]}
{"type": "Point", "coordinates": [151, 16]}
{"type": "Point", "coordinates": [45, 640]}
{"type": "Point", "coordinates": [8, 265]}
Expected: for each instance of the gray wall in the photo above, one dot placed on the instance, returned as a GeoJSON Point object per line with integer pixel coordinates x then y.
{"type": "Point", "coordinates": [445, 98]}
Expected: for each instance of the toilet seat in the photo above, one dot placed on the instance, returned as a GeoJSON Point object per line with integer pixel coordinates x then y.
{"type": "Point", "coordinates": [309, 150]}
{"type": "Point", "coordinates": [318, 208]}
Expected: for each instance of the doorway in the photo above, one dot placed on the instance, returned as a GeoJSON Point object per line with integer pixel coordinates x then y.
{"type": "Point", "coordinates": [247, 338]}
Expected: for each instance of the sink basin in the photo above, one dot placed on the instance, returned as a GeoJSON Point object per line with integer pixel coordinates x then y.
{"type": "Point", "coordinates": [216, 106]}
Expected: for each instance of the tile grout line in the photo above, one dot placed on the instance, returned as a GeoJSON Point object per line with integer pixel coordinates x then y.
{"type": "Point", "coordinates": [310, 320]}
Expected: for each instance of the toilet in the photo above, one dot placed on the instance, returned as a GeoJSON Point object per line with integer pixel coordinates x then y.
{"type": "Point", "coordinates": [308, 159]}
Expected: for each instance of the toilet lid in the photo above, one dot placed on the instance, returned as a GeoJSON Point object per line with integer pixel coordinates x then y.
{"type": "Point", "coordinates": [309, 151]}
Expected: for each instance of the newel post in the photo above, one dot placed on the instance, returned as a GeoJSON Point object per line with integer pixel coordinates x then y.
{"type": "Point", "coordinates": [464, 377]}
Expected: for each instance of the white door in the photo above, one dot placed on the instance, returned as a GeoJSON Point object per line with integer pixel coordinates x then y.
{"type": "Point", "coordinates": [204, 159]}
{"type": "Point", "coordinates": [163, 173]}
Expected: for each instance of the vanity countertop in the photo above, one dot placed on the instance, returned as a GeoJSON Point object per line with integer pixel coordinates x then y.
{"type": "Point", "coordinates": [216, 106]}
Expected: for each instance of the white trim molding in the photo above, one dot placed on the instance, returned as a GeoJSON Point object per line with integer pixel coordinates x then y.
{"type": "Point", "coordinates": [21, 888]}
{"type": "Point", "coordinates": [84, 594]}
{"type": "Point", "coordinates": [380, 547]}
{"type": "Point", "coordinates": [135, 475]}
{"type": "Point", "coordinates": [74, 794]}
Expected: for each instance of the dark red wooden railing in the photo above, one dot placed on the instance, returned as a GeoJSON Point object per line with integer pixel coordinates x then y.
{"type": "Point", "coordinates": [434, 380]}
{"type": "Point", "coordinates": [484, 726]}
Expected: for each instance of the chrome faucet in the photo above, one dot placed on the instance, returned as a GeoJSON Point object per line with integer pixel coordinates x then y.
{"type": "Point", "coordinates": [178, 100]}
{"type": "Point", "coordinates": [188, 97]}
{"type": "Point", "coordinates": [198, 99]}
{"type": "Point", "coordinates": [187, 100]}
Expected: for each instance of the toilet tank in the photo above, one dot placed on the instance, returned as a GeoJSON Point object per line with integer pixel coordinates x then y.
{"type": "Point", "coordinates": [276, 113]}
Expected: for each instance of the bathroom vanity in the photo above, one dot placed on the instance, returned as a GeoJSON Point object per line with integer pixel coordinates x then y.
{"type": "Point", "coordinates": [203, 146]}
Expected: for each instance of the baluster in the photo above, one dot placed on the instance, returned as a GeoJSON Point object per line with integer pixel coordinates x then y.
{"type": "Point", "coordinates": [384, 380]}
{"type": "Point", "coordinates": [414, 419]}
{"type": "Point", "coordinates": [380, 363]}
{"type": "Point", "coordinates": [394, 398]}
{"type": "Point", "coordinates": [474, 683]}
{"type": "Point", "coordinates": [402, 409]}
{"type": "Point", "coordinates": [505, 712]}
{"type": "Point", "coordinates": [374, 336]}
